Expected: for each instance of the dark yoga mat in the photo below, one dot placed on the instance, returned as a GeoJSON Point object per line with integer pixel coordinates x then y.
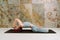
{"type": "Point", "coordinates": [27, 31]}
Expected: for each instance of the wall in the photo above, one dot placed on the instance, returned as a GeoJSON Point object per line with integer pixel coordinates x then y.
{"type": "Point", "coordinates": [33, 11]}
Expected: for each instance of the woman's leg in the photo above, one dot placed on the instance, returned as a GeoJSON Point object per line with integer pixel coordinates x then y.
{"type": "Point", "coordinates": [42, 30]}
{"type": "Point", "coordinates": [17, 24]}
{"type": "Point", "coordinates": [37, 29]}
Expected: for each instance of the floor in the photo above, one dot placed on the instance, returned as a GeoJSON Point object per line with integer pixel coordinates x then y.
{"type": "Point", "coordinates": [29, 36]}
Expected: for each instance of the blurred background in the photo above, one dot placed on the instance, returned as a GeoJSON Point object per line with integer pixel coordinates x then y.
{"type": "Point", "coordinates": [39, 12]}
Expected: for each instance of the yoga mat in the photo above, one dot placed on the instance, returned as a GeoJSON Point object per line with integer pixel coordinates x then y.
{"type": "Point", "coordinates": [27, 31]}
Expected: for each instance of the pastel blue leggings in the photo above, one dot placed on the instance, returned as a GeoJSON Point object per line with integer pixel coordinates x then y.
{"type": "Point", "coordinates": [34, 27]}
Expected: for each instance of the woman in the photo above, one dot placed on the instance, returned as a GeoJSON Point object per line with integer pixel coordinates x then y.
{"type": "Point", "coordinates": [19, 24]}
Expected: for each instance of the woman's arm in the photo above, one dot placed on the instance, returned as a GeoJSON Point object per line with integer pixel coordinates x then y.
{"type": "Point", "coordinates": [20, 24]}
